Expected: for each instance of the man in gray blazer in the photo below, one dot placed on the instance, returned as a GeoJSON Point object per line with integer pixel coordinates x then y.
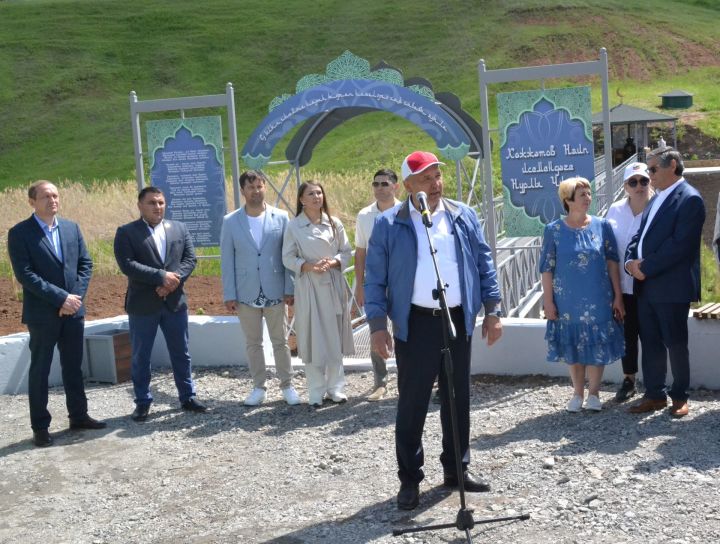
{"type": "Point", "coordinates": [157, 256]}
{"type": "Point", "coordinates": [256, 284]}
{"type": "Point", "coordinates": [52, 264]}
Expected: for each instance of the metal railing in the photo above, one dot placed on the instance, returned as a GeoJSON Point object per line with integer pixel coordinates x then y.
{"type": "Point", "coordinates": [608, 191]}
{"type": "Point", "coordinates": [499, 211]}
{"type": "Point", "coordinates": [517, 270]}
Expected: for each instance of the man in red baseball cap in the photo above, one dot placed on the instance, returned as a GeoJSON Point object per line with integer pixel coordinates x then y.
{"type": "Point", "coordinates": [399, 283]}
{"type": "Point", "coordinates": [418, 161]}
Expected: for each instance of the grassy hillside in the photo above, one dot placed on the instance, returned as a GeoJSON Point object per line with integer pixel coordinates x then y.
{"type": "Point", "coordinates": [67, 67]}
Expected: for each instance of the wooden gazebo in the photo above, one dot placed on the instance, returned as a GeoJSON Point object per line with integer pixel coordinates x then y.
{"type": "Point", "coordinates": [635, 122]}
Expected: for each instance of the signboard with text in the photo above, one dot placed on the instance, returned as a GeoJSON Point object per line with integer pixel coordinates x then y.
{"type": "Point", "coordinates": [546, 137]}
{"type": "Point", "coordinates": [186, 163]}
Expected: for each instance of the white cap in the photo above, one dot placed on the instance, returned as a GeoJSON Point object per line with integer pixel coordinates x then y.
{"type": "Point", "coordinates": [635, 169]}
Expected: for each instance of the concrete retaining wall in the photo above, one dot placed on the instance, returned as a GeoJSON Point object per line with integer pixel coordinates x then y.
{"type": "Point", "coordinates": [218, 341]}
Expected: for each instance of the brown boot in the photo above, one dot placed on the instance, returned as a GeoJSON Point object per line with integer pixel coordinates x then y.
{"type": "Point", "coordinates": [679, 408]}
{"type": "Point", "coordinates": [648, 405]}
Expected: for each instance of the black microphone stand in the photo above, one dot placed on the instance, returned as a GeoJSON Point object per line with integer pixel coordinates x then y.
{"type": "Point", "coordinates": [464, 520]}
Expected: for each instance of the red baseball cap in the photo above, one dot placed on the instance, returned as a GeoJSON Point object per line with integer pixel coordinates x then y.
{"type": "Point", "coordinates": [418, 161]}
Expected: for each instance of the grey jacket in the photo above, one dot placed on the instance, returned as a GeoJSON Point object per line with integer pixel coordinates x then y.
{"type": "Point", "coordinates": [246, 267]}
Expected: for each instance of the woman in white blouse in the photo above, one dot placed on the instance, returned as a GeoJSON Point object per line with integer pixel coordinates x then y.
{"type": "Point", "coordinates": [624, 216]}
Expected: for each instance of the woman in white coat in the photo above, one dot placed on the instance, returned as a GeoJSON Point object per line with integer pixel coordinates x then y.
{"type": "Point", "coordinates": [316, 249]}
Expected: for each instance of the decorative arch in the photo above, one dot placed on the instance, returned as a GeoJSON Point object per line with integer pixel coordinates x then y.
{"type": "Point", "coordinates": [453, 143]}
{"type": "Point", "coordinates": [348, 88]}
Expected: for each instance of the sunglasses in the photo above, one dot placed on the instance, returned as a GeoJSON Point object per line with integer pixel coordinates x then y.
{"type": "Point", "coordinates": [381, 184]}
{"type": "Point", "coordinates": [653, 169]}
{"type": "Point", "coordinates": [632, 182]}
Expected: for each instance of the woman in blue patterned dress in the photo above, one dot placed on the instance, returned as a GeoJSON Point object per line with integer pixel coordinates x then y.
{"type": "Point", "coordinates": [581, 293]}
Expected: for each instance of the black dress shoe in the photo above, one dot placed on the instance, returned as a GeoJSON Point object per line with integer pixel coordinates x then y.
{"type": "Point", "coordinates": [194, 405]}
{"type": "Point", "coordinates": [409, 496]}
{"type": "Point", "coordinates": [141, 412]}
{"type": "Point", "coordinates": [627, 390]}
{"type": "Point", "coordinates": [42, 438]}
{"type": "Point", "coordinates": [473, 484]}
{"type": "Point", "coordinates": [87, 423]}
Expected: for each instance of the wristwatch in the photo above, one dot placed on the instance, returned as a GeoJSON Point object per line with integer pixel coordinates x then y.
{"type": "Point", "coordinates": [496, 313]}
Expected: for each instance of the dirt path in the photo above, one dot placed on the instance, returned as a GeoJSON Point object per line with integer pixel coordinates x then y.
{"type": "Point", "coordinates": [106, 297]}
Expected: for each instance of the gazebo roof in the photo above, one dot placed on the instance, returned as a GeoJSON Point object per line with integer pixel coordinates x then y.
{"type": "Point", "coordinates": [623, 114]}
{"type": "Point", "coordinates": [676, 92]}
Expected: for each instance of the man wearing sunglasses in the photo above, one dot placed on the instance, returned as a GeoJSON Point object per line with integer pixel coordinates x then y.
{"type": "Point", "coordinates": [385, 187]}
{"type": "Point", "coordinates": [664, 259]}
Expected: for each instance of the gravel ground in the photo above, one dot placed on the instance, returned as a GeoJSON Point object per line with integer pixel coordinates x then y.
{"type": "Point", "coordinates": [290, 475]}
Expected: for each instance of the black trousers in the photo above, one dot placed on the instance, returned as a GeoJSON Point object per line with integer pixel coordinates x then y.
{"type": "Point", "coordinates": [68, 334]}
{"type": "Point", "coordinates": [419, 363]}
{"type": "Point", "coordinates": [663, 333]}
{"type": "Point", "coordinates": [632, 333]}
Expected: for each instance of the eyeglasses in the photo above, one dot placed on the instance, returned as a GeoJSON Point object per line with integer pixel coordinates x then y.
{"type": "Point", "coordinates": [632, 182]}
{"type": "Point", "coordinates": [381, 184]}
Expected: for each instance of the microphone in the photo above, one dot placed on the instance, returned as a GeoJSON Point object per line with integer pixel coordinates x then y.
{"type": "Point", "coordinates": [424, 210]}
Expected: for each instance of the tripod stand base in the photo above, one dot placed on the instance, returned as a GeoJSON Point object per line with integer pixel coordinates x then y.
{"type": "Point", "coordinates": [463, 522]}
{"type": "Point", "coordinates": [464, 519]}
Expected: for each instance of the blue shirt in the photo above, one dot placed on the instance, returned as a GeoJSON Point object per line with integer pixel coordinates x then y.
{"type": "Point", "coordinates": [53, 234]}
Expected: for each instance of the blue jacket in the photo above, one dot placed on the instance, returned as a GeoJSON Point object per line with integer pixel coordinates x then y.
{"type": "Point", "coordinates": [47, 281]}
{"type": "Point", "coordinates": [671, 248]}
{"type": "Point", "coordinates": [391, 261]}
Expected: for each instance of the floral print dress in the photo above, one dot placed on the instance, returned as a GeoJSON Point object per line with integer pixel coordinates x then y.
{"type": "Point", "coordinates": [585, 331]}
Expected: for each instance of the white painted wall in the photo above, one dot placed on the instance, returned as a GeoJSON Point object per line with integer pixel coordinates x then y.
{"type": "Point", "coordinates": [15, 356]}
{"type": "Point", "coordinates": [522, 350]}
{"type": "Point", "coordinates": [219, 341]}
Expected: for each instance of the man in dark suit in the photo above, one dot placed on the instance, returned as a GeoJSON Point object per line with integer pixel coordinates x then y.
{"type": "Point", "coordinates": [157, 256]}
{"type": "Point", "coordinates": [51, 262]}
{"type": "Point", "coordinates": [664, 259]}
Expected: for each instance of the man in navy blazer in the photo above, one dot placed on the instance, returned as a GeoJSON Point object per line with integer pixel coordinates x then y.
{"type": "Point", "coordinates": [664, 259]}
{"type": "Point", "coordinates": [157, 256]}
{"type": "Point", "coordinates": [256, 285]}
{"type": "Point", "coordinates": [51, 262]}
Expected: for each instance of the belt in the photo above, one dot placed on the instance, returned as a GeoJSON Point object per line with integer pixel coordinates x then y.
{"type": "Point", "coordinates": [435, 312]}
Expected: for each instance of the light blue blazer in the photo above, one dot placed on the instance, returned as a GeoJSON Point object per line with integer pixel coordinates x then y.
{"type": "Point", "coordinates": [246, 267]}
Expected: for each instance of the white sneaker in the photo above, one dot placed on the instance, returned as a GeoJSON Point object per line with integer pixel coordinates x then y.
{"type": "Point", "coordinates": [256, 397]}
{"type": "Point", "coordinates": [575, 404]}
{"type": "Point", "coordinates": [291, 396]}
{"type": "Point", "coordinates": [593, 403]}
{"type": "Point", "coordinates": [337, 397]}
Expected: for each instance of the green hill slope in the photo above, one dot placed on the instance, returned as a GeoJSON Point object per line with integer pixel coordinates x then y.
{"type": "Point", "coordinates": [67, 67]}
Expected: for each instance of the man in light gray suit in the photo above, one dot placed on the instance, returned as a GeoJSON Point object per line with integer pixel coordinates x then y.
{"type": "Point", "coordinates": [257, 285]}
